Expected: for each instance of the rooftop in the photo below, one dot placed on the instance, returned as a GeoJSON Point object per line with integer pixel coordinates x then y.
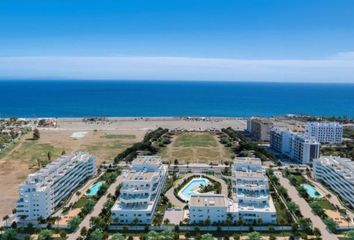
{"type": "Point", "coordinates": [211, 200]}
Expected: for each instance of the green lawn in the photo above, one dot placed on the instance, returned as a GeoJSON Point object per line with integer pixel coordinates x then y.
{"type": "Point", "coordinates": [195, 140]}
{"type": "Point", "coordinates": [325, 204]}
{"type": "Point", "coordinates": [81, 202]}
{"type": "Point", "coordinates": [119, 136]}
{"type": "Point", "coordinates": [32, 151]}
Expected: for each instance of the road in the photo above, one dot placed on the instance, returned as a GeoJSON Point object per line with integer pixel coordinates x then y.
{"type": "Point", "coordinates": [96, 210]}
{"type": "Point", "coordinates": [306, 209]}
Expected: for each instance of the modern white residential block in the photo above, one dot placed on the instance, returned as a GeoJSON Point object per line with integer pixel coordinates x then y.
{"type": "Point", "coordinates": [338, 174]}
{"type": "Point", "coordinates": [300, 148]}
{"type": "Point", "coordinates": [251, 201]}
{"type": "Point", "coordinates": [325, 132]}
{"type": "Point", "coordinates": [42, 191]}
{"type": "Point", "coordinates": [140, 191]}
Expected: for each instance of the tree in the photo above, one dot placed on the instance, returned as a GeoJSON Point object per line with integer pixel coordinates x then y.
{"type": "Point", "coordinates": [152, 235]}
{"type": "Point", "coordinates": [317, 232]}
{"type": "Point", "coordinates": [317, 209]}
{"type": "Point", "coordinates": [117, 236]}
{"type": "Point", "coordinates": [83, 231]}
{"type": "Point", "coordinates": [87, 208]}
{"type": "Point", "coordinates": [293, 207]}
{"type": "Point", "coordinates": [36, 134]}
{"type": "Point", "coordinates": [97, 234]}
{"type": "Point", "coordinates": [305, 224]}
{"type": "Point", "coordinates": [45, 235]}
{"type": "Point", "coordinates": [331, 224]}
{"type": "Point", "coordinates": [349, 235]}
{"type": "Point", "coordinates": [166, 221]}
{"type": "Point", "coordinates": [74, 223]}
{"type": "Point", "coordinates": [281, 190]}
{"type": "Point", "coordinates": [9, 234]}
{"type": "Point", "coordinates": [207, 236]}
{"type": "Point", "coordinates": [254, 236]}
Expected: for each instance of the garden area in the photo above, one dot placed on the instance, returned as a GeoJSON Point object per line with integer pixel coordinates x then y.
{"type": "Point", "coordinates": [318, 203]}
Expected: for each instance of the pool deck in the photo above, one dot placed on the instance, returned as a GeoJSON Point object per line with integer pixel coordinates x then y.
{"type": "Point", "coordinates": [308, 187]}
{"type": "Point", "coordinates": [194, 190]}
{"type": "Point", "coordinates": [178, 203]}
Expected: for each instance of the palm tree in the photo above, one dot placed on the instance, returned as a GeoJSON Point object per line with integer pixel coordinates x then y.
{"type": "Point", "coordinates": [6, 218]}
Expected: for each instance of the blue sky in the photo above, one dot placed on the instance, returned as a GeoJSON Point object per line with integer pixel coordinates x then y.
{"type": "Point", "coordinates": [249, 40]}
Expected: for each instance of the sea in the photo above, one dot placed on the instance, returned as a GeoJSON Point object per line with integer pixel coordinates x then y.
{"type": "Point", "coordinates": [52, 98]}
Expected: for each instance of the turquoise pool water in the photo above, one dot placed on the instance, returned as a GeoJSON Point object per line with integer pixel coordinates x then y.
{"type": "Point", "coordinates": [94, 189]}
{"type": "Point", "coordinates": [311, 191]}
{"type": "Point", "coordinates": [192, 188]}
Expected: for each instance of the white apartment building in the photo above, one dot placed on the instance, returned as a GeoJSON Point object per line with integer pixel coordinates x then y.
{"type": "Point", "coordinates": [251, 191]}
{"type": "Point", "coordinates": [213, 207]}
{"type": "Point", "coordinates": [259, 128]}
{"type": "Point", "coordinates": [338, 174]}
{"type": "Point", "coordinates": [251, 201]}
{"type": "Point", "coordinates": [299, 148]}
{"type": "Point", "coordinates": [42, 191]}
{"type": "Point", "coordinates": [140, 191]}
{"type": "Point", "coordinates": [325, 132]}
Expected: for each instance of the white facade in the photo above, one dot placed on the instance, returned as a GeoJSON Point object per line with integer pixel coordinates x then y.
{"type": "Point", "coordinates": [42, 191]}
{"type": "Point", "coordinates": [325, 132]}
{"type": "Point", "coordinates": [251, 191]}
{"type": "Point", "coordinates": [299, 148]}
{"type": "Point", "coordinates": [215, 208]}
{"type": "Point", "coordinates": [338, 174]}
{"type": "Point", "coordinates": [140, 191]}
{"type": "Point", "coordinates": [251, 201]}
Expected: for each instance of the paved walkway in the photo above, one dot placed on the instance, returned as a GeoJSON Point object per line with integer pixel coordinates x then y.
{"type": "Point", "coordinates": [306, 209]}
{"type": "Point", "coordinates": [178, 203]}
{"type": "Point", "coordinates": [96, 210]}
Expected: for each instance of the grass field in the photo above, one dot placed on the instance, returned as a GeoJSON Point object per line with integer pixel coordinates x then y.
{"type": "Point", "coordinates": [195, 148]}
{"type": "Point", "coordinates": [195, 140]}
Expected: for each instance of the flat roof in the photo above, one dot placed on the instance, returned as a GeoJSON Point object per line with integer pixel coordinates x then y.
{"type": "Point", "coordinates": [207, 200]}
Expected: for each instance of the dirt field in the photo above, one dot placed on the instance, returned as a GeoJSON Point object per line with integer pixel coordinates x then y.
{"type": "Point", "coordinates": [28, 156]}
{"type": "Point", "coordinates": [195, 148]}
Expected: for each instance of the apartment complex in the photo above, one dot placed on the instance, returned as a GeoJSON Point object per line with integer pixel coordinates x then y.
{"type": "Point", "coordinates": [299, 148]}
{"type": "Point", "coordinates": [42, 191]}
{"type": "Point", "coordinates": [250, 203]}
{"type": "Point", "coordinates": [215, 208]}
{"type": "Point", "coordinates": [140, 191]}
{"type": "Point", "coordinates": [251, 191]}
{"type": "Point", "coordinates": [325, 132]}
{"type": "Point", "coordinates": [259, 128]}
{"type": "Point", "coordinates": [338, 174]}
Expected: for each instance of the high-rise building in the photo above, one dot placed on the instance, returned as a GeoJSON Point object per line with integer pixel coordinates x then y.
{"type": "Point", "coordinates": [325, 132]}
{"type": "Point", "coordinates": [42, 191]}
{"type": "Point", "coordinates": [299, 148]}
{"type": "Point", "coordinates": [259, 128]}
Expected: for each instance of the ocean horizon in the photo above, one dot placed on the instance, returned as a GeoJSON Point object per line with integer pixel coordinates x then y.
{"type": "Point", "coordinates": [138, 98]}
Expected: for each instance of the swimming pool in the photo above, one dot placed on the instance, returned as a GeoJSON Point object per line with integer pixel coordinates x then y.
{"type": "Point", "coordinates": [94, 189]}
{"type": "Point", "coordinates": [311, 191]}
{"type": "Point", "coordinates": [192, 187]}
